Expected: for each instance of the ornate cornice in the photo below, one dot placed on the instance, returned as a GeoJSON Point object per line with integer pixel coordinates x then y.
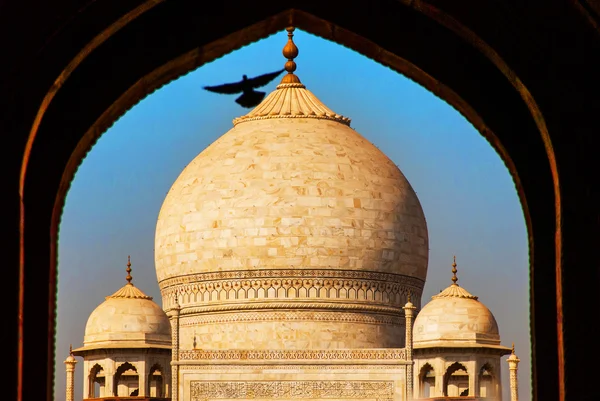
{"type": "Point", "coordinates": [369, 355]}
{"type": "Point", "coordinates": [286, 316]}
{"type": "Point", "coordinates": [441, 351]}
{"type": "Point", "coordinates": [338, 305]}
{"type": "Point", "coordinates": [220, 290]}
{"type": "Point", "coordinates": [198, 278]}
{"type": "Point", "coordinates": [397, 367]}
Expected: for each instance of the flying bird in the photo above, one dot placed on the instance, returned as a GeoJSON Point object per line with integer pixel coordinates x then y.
{"type": "Point", "coordinates": [250, 98]}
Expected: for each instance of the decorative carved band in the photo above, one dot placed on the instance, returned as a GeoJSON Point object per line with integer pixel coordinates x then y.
{"type": "Point", "coordinates": [295, 273]}
{"type": "Point", "coordinates": [398, 368]}
{"type": "Point", "coordinates": [300, 389]}
{"type": "Point", "coordinates": [346, 317]}
{"type": "Point", "coordinates": [291, 305]}
{"type": "Point", "coordinates": [231, 286]}
{"type": "Point", "coordinates": [395, 354]}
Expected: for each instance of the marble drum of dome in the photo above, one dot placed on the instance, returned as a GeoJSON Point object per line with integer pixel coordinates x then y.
{"type": "Point", "coordinates": [291, 231]}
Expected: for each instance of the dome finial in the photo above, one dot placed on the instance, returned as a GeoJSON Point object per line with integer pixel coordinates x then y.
{"type": "Point", "coordinates": [408, 298]}
{"type": "Point", "coordinates": [71, 349]}
{"type": "Point", "coordinates": [454, 278]}
{"type": "Point", "coordinates": [513, 348]}
{"type": "Point", "coordinates": [290, 51]}
{"type": "Point", "coordinates": [128, 270]}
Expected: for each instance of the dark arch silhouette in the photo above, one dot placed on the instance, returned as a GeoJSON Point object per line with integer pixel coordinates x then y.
{"type": "Point", "coordinates": [119, 372]}
{"type": "Point", "coordinates": [487, 373]}
{"type": "Point", "coordinates": [92, 380]}
{"type": "Point", "coordinates": [525, 76]}
{"type": "Point", "coordinates": [423, 373]}
{"type": "Point", "coordinates": [456, 366]}
{"type": "Point", "coordinates": [158, 379]}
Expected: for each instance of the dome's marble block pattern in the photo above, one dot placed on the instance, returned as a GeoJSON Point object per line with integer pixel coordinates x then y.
{"type": "Point", "coordinates": [270, 194]}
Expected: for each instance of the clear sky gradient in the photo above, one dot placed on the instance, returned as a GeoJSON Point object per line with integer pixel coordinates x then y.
{"type": "Point", "coordinates": [467, 194]}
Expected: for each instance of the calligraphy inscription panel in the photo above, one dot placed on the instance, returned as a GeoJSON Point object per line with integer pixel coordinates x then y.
{"type": "Point", "coordinates": [291, 390]}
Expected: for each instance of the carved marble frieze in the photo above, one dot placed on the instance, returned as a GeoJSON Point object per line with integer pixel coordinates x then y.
{"type": "Point", "coordinates": [296, 316]}
{"type": "Point", "coordinates": [369, 355]}
{"type": "Point", "coordinates": [237, 287]}
{"type": "Point", "coordinates": [397, 368]}
{"type": "Point", "coordinates": [293, 389]}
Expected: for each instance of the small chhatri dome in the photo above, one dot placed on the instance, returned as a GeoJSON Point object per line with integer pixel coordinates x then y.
{"type": "Point", "coordinates": [291, 231]}
{"type": "Point", "coordinates": [127, 318]}
{"type": "Point", "coordinates": [454, 317]}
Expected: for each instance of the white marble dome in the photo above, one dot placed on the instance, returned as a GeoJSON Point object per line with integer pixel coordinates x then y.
{"type": "Point", "coordinates": [291, 231]}
{"type": "Point", "coordinates": [127, 318]}
{"type": "Point", "coordinates": [455, 318]}
{"type": "Point", "coordinates": [291, 193]}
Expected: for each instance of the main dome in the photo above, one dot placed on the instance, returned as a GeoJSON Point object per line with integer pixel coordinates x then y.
{"type": "Point", "coordinates": [291, 209]}
{"type": "Point", "coordinates": [291, 194]}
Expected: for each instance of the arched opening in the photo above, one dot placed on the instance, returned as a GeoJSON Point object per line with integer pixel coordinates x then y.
{"type": "Point", "coordinates": [96, 382]}
{"type": "Point", "coordinates": [126, 381]}
{"type": "Point", "coordinates": [487, 381]}
{"type": "Point", "coordinates": [427, 381]}
{"type": "Point", "coordinates": [117, 264]}
{"type": "Point", "coordinates": [156, 381]}
{"type": "Point", "coordinates": [456, 381]}
{"type": "Point", "coordinates": [548, 260]}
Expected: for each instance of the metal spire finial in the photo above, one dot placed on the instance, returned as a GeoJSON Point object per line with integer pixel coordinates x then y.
{"type": "Point", "coordinates": [408, 298]}
{"type": "Point", "coordinates": [290, 51]}
{"type": "Point", "coordinates": [128, 270]}
{"type": "Point", "coordinates": [513, 348]}
{"type": "Point", "coordinates": [71, 349]}
{"type": "Point", "coordinates": [454, 278]}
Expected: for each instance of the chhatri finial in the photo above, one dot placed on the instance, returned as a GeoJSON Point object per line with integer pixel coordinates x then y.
{"type": "Point", "coordinates": [290, 51]}
{"type": "Point", "coordinates": [408, 297]}
{"type": "Point", "coordinates": [71, 349]}
{"type": "Point", "coordinates": [128, 270]}
{"type": "Point", "coordinates": [513, 348]}
{"type": "Point", "coordinates": [454, 278]}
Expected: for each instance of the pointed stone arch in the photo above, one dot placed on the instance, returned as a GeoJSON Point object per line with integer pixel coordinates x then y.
{"type": "Point", "coordinates": [128, 386]}
{"type": "Point", "coordinates": [426, 381]}
{"type": "Point", "coordinates": [456, 383]}
{"type": "Point", "coordinates": [156, 381]}
{"type": "Point", "coordinates": [93, 379]}
{"type": "Point", "coordinates": [488, 381]}
{"type": "Point", "coordinates": [473, 26]}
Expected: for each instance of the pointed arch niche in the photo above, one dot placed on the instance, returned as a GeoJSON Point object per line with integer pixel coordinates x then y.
{"type": "Point", "coordinates": [426, 381]}
{"type": "Point", "coordinates": [156, 381]}
{"type": "Point", "coordinates": [96, 382]}
{"type": "Point", "coordinates": [456, 381]}
{"type": "Point", "coordinates": [127, 381]}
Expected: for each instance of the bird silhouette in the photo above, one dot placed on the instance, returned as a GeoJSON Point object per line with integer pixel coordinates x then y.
{"type": "Point", "coordinates": [250, 98]}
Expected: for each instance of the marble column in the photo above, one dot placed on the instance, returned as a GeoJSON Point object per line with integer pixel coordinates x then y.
{"type": "Point", "coordinates": [513, 363]}
{"type": "Point", "coordinates": [175, 353]}
{"type": "Point", "coordinates": [142, 378]}
{"type": "Point", "coordinates": [70, 363]}
{"type": "Point", "coordinates": [409, 309]}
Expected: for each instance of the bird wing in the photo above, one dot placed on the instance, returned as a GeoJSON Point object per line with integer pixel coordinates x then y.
{"type": "Point", "coordinates": [227, 89]}
{"type": "Point", "coordinates": [264, 79]}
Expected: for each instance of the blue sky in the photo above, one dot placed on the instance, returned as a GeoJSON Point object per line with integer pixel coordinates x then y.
{"type": "Point", "coordinates": [469, 199]}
